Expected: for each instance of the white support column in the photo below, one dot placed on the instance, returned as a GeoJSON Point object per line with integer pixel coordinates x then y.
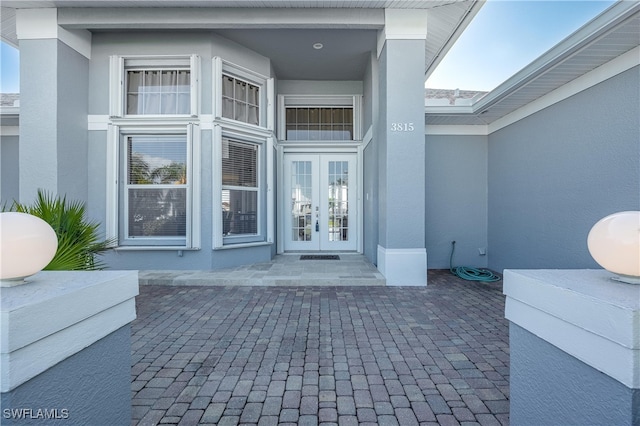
{"type": "Point", "coordinates": [402, 256]}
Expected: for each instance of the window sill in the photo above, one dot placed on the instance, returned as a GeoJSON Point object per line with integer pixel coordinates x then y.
{"type": "Point", "coordinates": [155, 248]}
{"type": "Point", "coordinates": [243, 245]}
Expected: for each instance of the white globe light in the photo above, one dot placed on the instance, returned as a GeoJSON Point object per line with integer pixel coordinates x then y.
{"type": "Point", "coordinates": [614, 242]}
{"type": "Point", "coordinates": [27, 244]}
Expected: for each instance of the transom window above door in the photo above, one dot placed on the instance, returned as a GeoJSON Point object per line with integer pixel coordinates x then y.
{"type": "Point", "coordinates": [319, 123]}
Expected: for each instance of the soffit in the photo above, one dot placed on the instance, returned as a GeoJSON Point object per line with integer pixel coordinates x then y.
{"type": "Point", "coordinates": [611, 34]}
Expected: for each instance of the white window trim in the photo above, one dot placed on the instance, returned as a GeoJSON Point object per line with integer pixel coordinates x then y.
{"type": "Point", "coordinates": [117, 78]}
{"type": "Point", "coordinates": [266, 105]}
{"type": "Point", "coordinates": [265, 144]}
{"type": "Point", "coordinates": [114, 158]}
{"type": "Point", "coordinates": [354, 101]}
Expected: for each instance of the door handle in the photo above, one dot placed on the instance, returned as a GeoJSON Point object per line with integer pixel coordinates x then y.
{"type": "Point", "coordinates": [317, 226]}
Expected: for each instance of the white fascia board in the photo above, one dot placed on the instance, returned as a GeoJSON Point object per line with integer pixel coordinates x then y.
{"type": "Point", "coordinates": [604, 72]}
{"type": "Point", "coordinates": [213, 18]}
{"type": "Point", "coordinates": [37, 24]}
{"type": "Point", "coordinates": [451, 109]}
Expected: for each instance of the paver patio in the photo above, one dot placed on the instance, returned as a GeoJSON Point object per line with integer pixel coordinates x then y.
{"type": "Point", "coordinates": [321, 355]}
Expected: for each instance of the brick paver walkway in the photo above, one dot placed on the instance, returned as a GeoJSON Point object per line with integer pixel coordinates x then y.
{"type": "Point", "coordinates": [322, 355]}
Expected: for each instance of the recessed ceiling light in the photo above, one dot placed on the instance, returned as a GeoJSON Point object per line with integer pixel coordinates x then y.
{"type": "Point", "coordinates": [318, 46]}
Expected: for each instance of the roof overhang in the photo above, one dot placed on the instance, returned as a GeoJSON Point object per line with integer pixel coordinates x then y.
{"type": "Point", "coordinates": [610, 35]}
{"type": "Point", "coordinates": [446, 19]}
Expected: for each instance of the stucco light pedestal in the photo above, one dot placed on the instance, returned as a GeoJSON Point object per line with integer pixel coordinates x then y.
{"type": "Point", "coordinates": [574, 339]}
{"type": "Point", "coordinates": [65, 348]}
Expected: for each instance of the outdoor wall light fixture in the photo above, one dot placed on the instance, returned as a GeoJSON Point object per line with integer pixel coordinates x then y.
{"type": "Point", "coordinates": [614, 242]}
{"type": "Point", "coordinates": [27, 244]}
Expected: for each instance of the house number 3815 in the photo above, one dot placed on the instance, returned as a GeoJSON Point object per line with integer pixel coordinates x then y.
{"type": "Point", "coordinates": [402, 127]}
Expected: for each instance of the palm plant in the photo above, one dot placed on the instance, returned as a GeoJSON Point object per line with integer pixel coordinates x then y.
{"type": "Point", "coordinates": [78, 241]}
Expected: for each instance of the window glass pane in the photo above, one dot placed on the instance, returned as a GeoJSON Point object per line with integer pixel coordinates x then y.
{"type": "Point", "coordinates": [168, 103]}
{"type": "Point", "coordinates": [252, 117]}
{"type": "Point", "coordinates": [348, 116]}
{"type": "Point", "coordinates": [291, 117]}
{"type": "Point", "coordinates": [227, 86]}
{"type": "Point", "coordinates": [253, 95]}
{"type": "Point", "coordinates": [337, 115]}
{"type": "Point", "coordinates": [239, 212]}
{"type": "Point", "coordinates": [241, 91]}
{"type": "Point", "coordinates": [169, 81]}
{"type": "Point", "coordinates": [133, 107]}
{"type": "Point", "coordinates": [155, 92]}
{"type": "Point", "coordinates": [302, 115]}
{"type": "Point", "coordinates": [241, 111]}
{"type": "Point", "coordinates": [152, 81]}
{"type": "Point", "coordinates": [158, 160]}
{"type": "Point", "coordinates": [227, 108]}
{"type": "Point", "coordinates": [240, 168]}
{"type": "Point", "coordinates": [184, 103]}
{"type": "Point", "coordinates": [184, 81]}
{"type": "Point", "coordinates": [157, 212]}
{"type": "Point", "coordinates": [134, 81]}
{"type": "Point", "coordinates": [240, 100]}
{"type": "Point", "coordinates": [314, 115]}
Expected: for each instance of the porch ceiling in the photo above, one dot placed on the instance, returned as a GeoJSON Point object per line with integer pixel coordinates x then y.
{"type": "Point", "coordinates": [347, 28]}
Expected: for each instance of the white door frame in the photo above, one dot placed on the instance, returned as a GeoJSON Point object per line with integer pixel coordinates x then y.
{"type": "Point", "coordinates": [319, 149]}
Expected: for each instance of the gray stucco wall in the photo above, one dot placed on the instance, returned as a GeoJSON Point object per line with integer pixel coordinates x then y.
{"type": "Point", "coordinates": [206, 46]}
{"type": "Point", "coordinates": [550, 387]}
{"type": "Point", "coordinates": [456, 201]}
{"type": "Point", "coordinates": [370, 214]}
{"type": "Point", "coordinates": [53, 119]}
{"type": "Point", "coordinates": [555, 173]}
{"type": "Point", "coordinates": [401, 153]}
{"type": "Point", "coordinates": [370, 160]}
{"type": "Point", "coordinates": [72, 99]}
{"type": "Point", "coordinates": [38, 111]}
{"type": "Point", "coordinates": [93, 386]}
{"type": "Point", "coordinates": [9, 177]}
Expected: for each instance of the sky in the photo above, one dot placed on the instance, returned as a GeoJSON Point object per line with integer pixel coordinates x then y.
{"type": "Point", "coordinates": [507, 35]}
{"type": "Point", "coordinates": [504, 37]}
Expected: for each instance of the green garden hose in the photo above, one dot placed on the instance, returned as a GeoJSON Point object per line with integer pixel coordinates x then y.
{"type": "Point", "coordinates": [471, 274]}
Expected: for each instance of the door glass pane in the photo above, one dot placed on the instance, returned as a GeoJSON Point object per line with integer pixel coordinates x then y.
{"type": "Point", "coordinates": [301, 214]}
{"type": "Point", "coordinates": [338, 220]}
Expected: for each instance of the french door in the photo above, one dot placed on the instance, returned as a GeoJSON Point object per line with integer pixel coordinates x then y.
{"type": "Point", "coordinates": [320, 202]}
